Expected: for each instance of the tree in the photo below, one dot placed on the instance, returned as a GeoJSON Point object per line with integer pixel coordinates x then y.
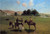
{"type": "Point", "coordinates": [15, 13]}
{"type": "Point", "coordinates": [35, 12]}
{"type": "Point", "coordinates": [28, 12]}
{"type": "Point", "coordinates": [24, 12]}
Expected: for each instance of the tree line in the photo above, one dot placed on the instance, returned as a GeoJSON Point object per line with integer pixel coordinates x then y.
{"type": "Point", "coordinates": [28, 12]}
{"type": "Point", "coordinates": [31, 12]}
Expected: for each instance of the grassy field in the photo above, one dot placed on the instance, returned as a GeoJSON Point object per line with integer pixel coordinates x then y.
{"type": "Point", "coordinates": [42, 25]}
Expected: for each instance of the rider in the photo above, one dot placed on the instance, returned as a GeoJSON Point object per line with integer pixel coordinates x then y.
{"type": "Point", "coordinates": [21, 20]}
{"type": "Point", "coordinates": [17, 20]}
{"type": "Point", "coordinates": [30, 20]}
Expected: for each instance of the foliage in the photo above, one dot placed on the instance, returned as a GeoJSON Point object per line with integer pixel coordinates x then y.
{"type": "Point", "coordinates": [29, 12]}
{"type": "Point", "coordinates": [15, 13]}
{"type": "Point", "coordinates": [35, 12]}
{"type": "Point", "coordinates": [24, 12]}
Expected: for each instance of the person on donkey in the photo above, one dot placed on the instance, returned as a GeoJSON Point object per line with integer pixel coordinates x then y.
{"type": "Point", "coordinates": [30, 20]}
{"type": "Point", "coordinates": [16, 22]}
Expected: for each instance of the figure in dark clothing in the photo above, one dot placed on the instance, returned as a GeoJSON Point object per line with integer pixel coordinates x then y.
{"type": "Point", "coordinates": [17, 20]}
{"type": "Point", "coordinates": [16, 23]}
{"type": "Point", "coordinates": [19, 24]}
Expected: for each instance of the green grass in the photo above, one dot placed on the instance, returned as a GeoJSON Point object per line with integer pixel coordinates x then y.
{"type": "Point", "coordinates": [42, 24]}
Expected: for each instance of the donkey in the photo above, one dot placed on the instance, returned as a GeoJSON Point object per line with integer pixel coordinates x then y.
{"type": "Point", "coordinates": [16, 24]}
{"type": "Point", "coordinates": [29, 23]}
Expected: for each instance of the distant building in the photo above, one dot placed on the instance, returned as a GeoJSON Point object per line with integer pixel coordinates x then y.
{"type": "Point", "coordinates": [19, 12]}
{"type": "Point", "coordinates": [8, 12]}
{"type": "Point", "coordinates": [44, 15]}
{"type": "Point", "coordinates": [2, 13]}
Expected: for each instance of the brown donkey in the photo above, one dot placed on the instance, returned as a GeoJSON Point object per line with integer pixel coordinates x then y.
{"type": "Point", "coordinates": [29, 23]}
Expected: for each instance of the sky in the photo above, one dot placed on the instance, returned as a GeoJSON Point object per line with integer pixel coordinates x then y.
{"type": "Point", "coordinates": [42, 6]}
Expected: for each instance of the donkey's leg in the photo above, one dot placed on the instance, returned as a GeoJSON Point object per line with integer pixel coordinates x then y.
{"type": "Point", "coordinates": [12, 26]}
{"type": "Point", "coordinates": [29, 27]}
{"type": "Point", "coordinates": [15, 26]}
{"type": "Point", "coordinates": [18, 27]}
{"type": "Point", "coordinates": [35, 26]}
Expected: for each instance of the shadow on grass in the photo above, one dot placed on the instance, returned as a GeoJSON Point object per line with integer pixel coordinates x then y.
{"type": "Point", "coordinates": [16, 30]}
{"type": "Point", "coordinates": [3, 32]}
{"type": "Point", "coordinates": [29, 30]}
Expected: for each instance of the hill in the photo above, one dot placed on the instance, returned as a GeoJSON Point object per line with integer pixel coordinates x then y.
{"type": "Point", "coordinates": [9, 12]}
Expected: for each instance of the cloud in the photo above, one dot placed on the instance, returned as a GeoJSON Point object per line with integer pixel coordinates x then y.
{"type": "Point", "coordinates": [31, 3]}
{"type": "Point", "coordinates": [41, 4]}
{"type": "Point", "coordinates": [42, 8]}
{"type": "Point", "coordinates": [18, 2]}
{"type": "Point", "coordinates": [24, 4]}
